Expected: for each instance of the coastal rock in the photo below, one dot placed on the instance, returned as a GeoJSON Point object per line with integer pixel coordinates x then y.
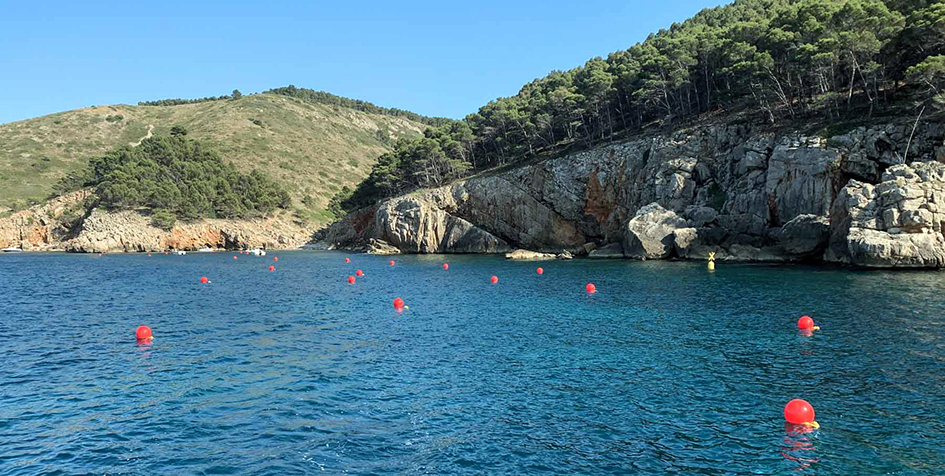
{"type": "Point", "coordinates": [380, 247]}
{"type": "Point", "coordinates": [805, 235]}
{"type": "Point", "coordinates": [896, 223]}
{"type": "Point", "coordinates": [526, 255]}
{"type": "Point", "coordinates": [421, 225]}
{"type": "Point", "coordinates": [610, 251]}
{"type": "Point", "coordinates": [650, 233]}
{"type": "Point", "coordinates": [739, 191]}
{"type": "Point", "coordinates": [131, 231]}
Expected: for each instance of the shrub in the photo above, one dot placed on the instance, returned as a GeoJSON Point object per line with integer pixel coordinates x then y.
{"type": "Point", "coordinates": [163, 219]}
{"type": "Point", "coordinates": [180, 177]}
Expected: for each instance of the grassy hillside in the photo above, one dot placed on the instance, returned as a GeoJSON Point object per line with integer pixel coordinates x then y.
{"type": "Point", "coordinates": [312, 149]}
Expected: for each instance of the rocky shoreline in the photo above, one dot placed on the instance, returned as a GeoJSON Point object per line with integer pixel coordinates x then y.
{"type": "Point", "coordinates": [47, 228]}
{"type": "Point", "coordinates": [745, 196]}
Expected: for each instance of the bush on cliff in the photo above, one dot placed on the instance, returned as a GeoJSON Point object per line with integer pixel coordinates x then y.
{"type": "Point", "coordinates": [181, 179]}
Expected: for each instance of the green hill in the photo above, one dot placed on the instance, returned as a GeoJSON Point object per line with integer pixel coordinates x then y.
{"type": "Point", "coordinates": [313, 149]}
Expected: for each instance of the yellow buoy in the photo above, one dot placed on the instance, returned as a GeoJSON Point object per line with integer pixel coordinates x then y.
{"type": "Point", "coordinates": [711, 261]}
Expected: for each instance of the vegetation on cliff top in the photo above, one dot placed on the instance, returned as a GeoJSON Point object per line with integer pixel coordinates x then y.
{"type": "Point", "coordinates": [823, 61]}
{"type": "Point", "coordinates": [312, 150]}
{"type": "Point", "coordinates": [321, 97]}
{"type": "Point", "coordinates": [178, 179]}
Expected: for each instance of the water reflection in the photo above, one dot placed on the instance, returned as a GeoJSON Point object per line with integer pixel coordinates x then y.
{"type": "Point", "coordinates": [797, 447]}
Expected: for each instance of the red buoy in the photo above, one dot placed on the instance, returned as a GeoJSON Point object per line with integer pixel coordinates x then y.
{"type": "Point", "coordinates": [591, 288]}
{"type": "Point", "coordinates": [99, 255]}
{"type": "Point", "coordinates": [272, 268]}
{"type": "Point", "coordinates": [144, 333]}
{"type": "Point", "coordinates": [446, 266]}
{"type": "Point", "coordinates": [494, 279]}
{"type": "Point", "coordinates": [398, 303]}
{"type": "Point", "coordinates": [275, 258]}
{"type": "Point", "coordinates": [234, 257]}
{"type": "Point", "coordinates": [359, 273]}
{"type": "Point", "coordinates": [204, 280]}
{"type": "Point", "coordinates": [347, 260]}
{"type": "Point", "coordinates": [798, 412]}
{"type": "Point", "coordinates": [351, 279]}
{"type": "Point", "coordinates": [391, 262]}
{"type": "Point", "coordinates": [805, 323]}
{"type": "Point", "coordinates": [149, 255]}
{"type": "Point", "coordinates": [540, 271]}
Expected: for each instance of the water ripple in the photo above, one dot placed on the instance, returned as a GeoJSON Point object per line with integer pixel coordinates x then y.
{"type": "Point", "coordinates": [667, 369]}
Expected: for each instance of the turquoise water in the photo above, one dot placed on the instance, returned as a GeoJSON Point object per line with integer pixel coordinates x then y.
{"type": "Point", "coordinates": [666, 369]}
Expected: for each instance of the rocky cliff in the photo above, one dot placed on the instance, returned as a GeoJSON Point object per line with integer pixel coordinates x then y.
{"type": "Point", "coordinates": [743, 194]}
{"type": "Point", "coordinates": [55, 227]}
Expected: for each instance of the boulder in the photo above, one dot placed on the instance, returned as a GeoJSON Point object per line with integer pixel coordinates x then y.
{"type": "Point", "coordinates": [898, 223]}
{"type": "Point", "coordinates": [526, 255]}
{"type": "Point", "coordinates": [417, 224]}
{"type": "Point", "coordinates": [805, 235]}
{"type": "Point", "coordinates": [650, 233]}
{"type": "Point", "coordinates": [380, 247]}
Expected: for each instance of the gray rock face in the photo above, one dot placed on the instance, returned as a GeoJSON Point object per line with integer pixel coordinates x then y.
{"type": "Point", "coordinates": [650, 233]}
{"type": "Point", "coordinates": [739, 193]}
{"type": "Point", "coordinates": [897, 223]}
{"type": "Point", "coordinates": [805, 235]}
{"type": "Point", "coordinates": [418, 226]}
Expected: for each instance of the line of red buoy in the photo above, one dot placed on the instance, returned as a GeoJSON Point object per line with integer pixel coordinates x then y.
{"type": "Point", "coordinates": [796, 411]}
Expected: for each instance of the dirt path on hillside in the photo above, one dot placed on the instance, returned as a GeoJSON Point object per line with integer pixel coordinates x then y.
{"type": "Point", "coordinates": [136, 144]}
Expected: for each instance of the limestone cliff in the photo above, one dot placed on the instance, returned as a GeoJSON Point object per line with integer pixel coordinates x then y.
{"type": "Point", "coordinates": [54, 227]}
{"type": "Point", "coordinates": [743, 194]}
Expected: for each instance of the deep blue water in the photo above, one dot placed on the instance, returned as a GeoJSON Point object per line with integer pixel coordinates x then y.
{"type": "Point", "coordinates": [666, 369]}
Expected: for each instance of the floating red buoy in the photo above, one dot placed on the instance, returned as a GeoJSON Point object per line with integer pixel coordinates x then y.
{"type": "Point", "coordinates": [359, 273]}
{"type": "Point", "coordinates": [99, 255]}
{"type": "Point", "coordinates": [275, 258]}
{"type": "Point", "coordinates": [272, 268]}
{"type": "Point", "coordinates": [805, 323]}
{"type": "Point", "coordinates": [591, 288]}
{"type": "Point", "coordinates": [446, 266]}
{"type": "Point", "coordinates": [351, 279]}
{"type": "Point", "coordinates": [144, 333]}
{"type": "Point", "coordinates": [540, 271]}
{"type": "Point", "coordinates": [398, 303]}
{"type": "Point", "coordinates": [149, 255]}
{"type": "Point", "coordinates": [494, 279]}
{"type": "Point", "coordinates": [234, 257]}
{"type": "Point", "coordinates": [204, 280]}
{"type": "Point", "coordinates": [798, 412]}
{"type": "Point", "coordinates": [347, 260]}
{"type": "Point", "coordinates": [391, 262]}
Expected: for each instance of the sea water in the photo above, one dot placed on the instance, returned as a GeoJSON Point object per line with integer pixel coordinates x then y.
{"type": "Point", "coordinates": [667, 368]}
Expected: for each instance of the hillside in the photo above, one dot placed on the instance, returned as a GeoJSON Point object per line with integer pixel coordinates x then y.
{"type": "Point", "coordinates": [312, 149]}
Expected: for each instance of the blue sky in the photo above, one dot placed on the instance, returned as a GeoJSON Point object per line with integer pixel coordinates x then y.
{"type": "Point", "coordinates": [435, 58]}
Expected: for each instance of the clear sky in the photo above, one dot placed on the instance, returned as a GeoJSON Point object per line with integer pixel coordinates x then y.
{"type": "Point", "coordinates": [443, 58]}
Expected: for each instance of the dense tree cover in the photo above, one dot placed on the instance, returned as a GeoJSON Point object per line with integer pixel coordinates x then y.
{"type": "Point", "coordinates": [321, 97]}
{"type": "Point", "coordinates": [788, 60]}
{"type": "Point", "coordinates": [177, 178]}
